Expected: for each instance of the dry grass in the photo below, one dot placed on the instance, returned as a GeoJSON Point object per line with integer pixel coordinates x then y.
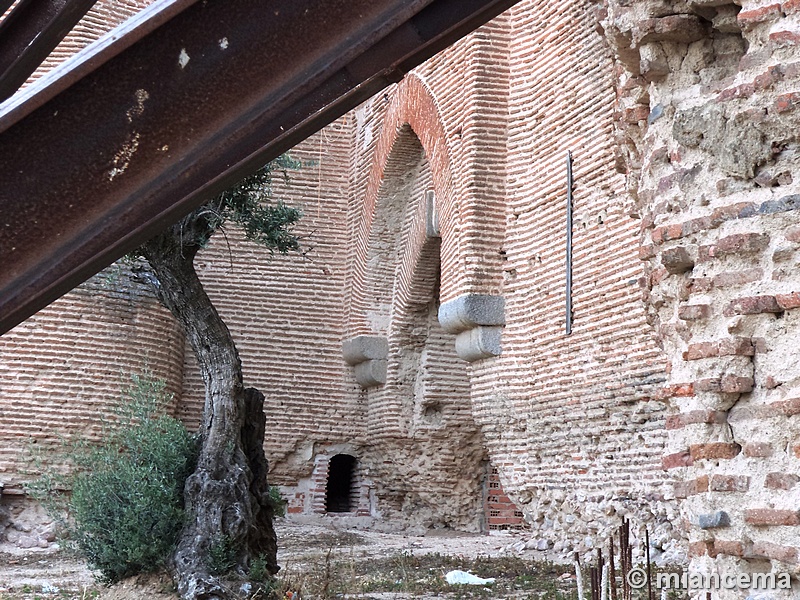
{"type": "Point", "coordinates": [327, 564]}
{"type": "Point", "coordinates": [405, 575]}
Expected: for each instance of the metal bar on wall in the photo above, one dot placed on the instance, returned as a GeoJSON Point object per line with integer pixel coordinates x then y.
{"type": "Point", "coordinates": [569, 245]}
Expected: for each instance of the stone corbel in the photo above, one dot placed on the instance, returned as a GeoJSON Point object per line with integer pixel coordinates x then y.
{"type": "Point", "coordinates": [367, 354]}
{"type": "Point", "coordinates": [477, 320]}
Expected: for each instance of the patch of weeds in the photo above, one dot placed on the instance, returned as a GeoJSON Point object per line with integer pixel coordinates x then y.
{"type": "Point", "coordinates": [277, 502]}
{"type": "Point", "coordinates": [424, 574]}
{"type": "Point", "coordinates": [259, 573]}
{"type": "Point", "coordinates": [222, 556]}
{"type": "Point", "coordinates": [287, 586]}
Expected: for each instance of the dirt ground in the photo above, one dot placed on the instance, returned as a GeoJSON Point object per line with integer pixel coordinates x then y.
{"type": "Point", "coordinates": [323, 560]}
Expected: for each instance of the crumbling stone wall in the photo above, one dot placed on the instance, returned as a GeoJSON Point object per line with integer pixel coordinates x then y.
{"type": "Point", "coordinates": [708, 133]}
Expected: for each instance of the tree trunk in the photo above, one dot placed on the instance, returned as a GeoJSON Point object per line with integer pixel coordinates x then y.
{"type": "Point", "coordinates": [227, 497]}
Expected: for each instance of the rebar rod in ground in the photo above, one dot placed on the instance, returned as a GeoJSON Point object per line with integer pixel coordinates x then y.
{"type": "Point", "coordinates": [578, 576]}
{"type": "Point", "coordinates": [628, 556]}
{"type": "Point", "coordinates": [623, 557]}
{"type": "Point", "coordinates": [622, 570]}
{"type": "Point", "coordinates": [600, 565]}
{"type": "Point", "coordinates": [611, 573]}
{"type": "Point", "coordinates": [649, 572]}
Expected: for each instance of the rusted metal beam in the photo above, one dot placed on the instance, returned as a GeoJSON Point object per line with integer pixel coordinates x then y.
{"type": "Point", "coordinates": [182, 103]}
{"type": "Point", "coordinates": [29, 33]}
{"type": "Point", "coordinates": [4, 6]}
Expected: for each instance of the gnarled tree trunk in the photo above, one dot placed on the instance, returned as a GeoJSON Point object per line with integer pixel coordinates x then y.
{"type": "Point", "coordinates": [227, 497]}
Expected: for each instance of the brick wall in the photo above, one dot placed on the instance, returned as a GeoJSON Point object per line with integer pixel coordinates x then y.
{"type": "Point", "coordinates": [286, 313]}
{"type": "Point", "coordinates": [500, 511]}
{"type": "Point", "coordinates": [63, 370]}
{"type": "Point", "coordinates": [101, 18]}
{"type": "Point", "coordinates": [573, 424]}
{"type": "Point", "coordinates": [571, 421]}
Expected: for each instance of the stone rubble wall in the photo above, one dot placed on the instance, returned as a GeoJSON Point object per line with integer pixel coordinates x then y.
{"type": "Point", "coordinates": [708, 136]}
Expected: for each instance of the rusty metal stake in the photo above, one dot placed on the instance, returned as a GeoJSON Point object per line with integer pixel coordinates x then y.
{"type": "Point", "coordinates": [649, 573]}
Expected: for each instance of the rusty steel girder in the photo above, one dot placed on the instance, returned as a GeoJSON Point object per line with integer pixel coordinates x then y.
{"type": "Point", "coordinates": [177, 105]}
{"type": "Point", "coordinates": [29, 33]}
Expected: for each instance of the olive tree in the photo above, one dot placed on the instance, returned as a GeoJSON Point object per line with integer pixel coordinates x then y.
{"type": "Point", "coordinates": [227, 496]}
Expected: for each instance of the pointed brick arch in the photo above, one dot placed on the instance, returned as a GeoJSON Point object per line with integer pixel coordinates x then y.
{"type": "Point", "coordinates": [412, 118]}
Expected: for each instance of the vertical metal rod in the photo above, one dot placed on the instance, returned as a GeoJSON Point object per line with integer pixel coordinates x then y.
{"type": "Point", "coordinates": [612, 576]}
{"type": "Point", "coordinates": [600, 567]}
{"type": "Point", "coordinates": [649, 571]}
{"type": "Point", "coordinates": [578, 576]}
{"type": "Point", "coordinates": [569, 245]}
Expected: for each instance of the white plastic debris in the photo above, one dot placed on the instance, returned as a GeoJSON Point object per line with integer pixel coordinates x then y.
{"type": "Point", "coordinates": [462, 577]}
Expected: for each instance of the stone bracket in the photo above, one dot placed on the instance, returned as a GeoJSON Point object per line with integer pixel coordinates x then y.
{"type": "Point", "coordinates": [367, 354]}
{"type": "Point", "coordinates": [477, 320]}
{"type": "Point", "coordinates": [479, 342]}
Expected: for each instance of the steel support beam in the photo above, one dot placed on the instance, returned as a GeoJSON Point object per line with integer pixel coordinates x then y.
{"type": "Point", "coordinates": [177, 106]}
{"type": "Point", "coordinates": [29, 33]}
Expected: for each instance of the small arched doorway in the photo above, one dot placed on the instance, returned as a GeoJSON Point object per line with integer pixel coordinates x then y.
{"type": "Point", "coordinates": [340, 489]}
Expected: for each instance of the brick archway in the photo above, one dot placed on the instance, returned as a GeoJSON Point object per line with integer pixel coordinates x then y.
{"type": "Point", "coordinates": [412, 117]}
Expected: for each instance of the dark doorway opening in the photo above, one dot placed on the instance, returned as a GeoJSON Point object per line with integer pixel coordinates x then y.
{"type": "Point", "coordinates": [339, 490]}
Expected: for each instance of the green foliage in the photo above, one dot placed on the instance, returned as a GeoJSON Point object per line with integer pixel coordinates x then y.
{"type": "Point", "coordinates": [222, 556]}
{"type": "Point", "coordinates": [259, 572]}
{"type": "Point", "coordinates": [249, 205]}
{"type": "Point", "coordinates": [277, 501]}
{"type": "Point", "coordinates": [126, 507]}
